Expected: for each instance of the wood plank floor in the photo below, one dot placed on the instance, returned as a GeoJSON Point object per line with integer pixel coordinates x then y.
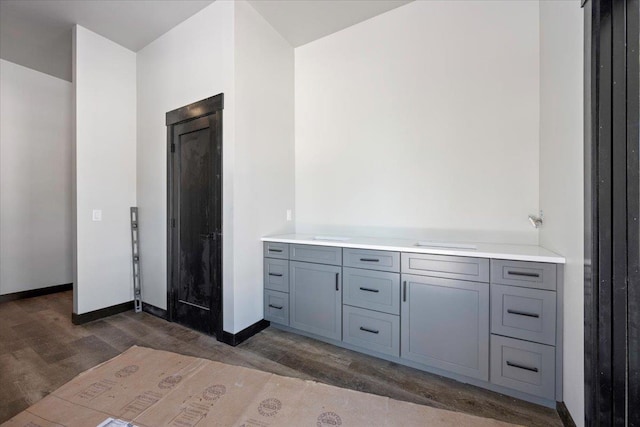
{"type": "Point", "coordinates": [40, 350]}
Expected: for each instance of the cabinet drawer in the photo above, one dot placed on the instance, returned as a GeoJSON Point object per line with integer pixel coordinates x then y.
{"type": "Point", "coordinates": [372, 260]}
{"type": "Point", "coordinates": [524, 366]}
{"type": "Point", "coordinates": [529, 314]}
{"type": "Point", "coordinates": [522, 273]}
{"type": "Point", "coordinates": [374, 290]}
{"type": "Point", "coordinates": [317, 254]}
{"type": "Point", "coordinates": [371, 330]}
{"type": "Point", "coordinates": [449, 267]}
{"type": "Point", "coordinates": [276, 274]}
{"type": "Point", "coordinates": [276, 250]}
{"type": "Point", "coordinates": [276, 307]}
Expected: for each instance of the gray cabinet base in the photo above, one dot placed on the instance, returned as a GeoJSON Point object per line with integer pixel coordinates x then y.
{"type": "Point", "coordinates": [478, 383]}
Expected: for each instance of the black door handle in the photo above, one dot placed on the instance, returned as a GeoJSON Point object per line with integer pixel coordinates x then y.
{"type": "Point", "coordinates": [523, 313]}
{"type": "Point", "coordinates": [522, 273]}
{"type": "Point", "coordinates": [275, 306]}
{"type": "Point", "coordinates": [275, 250]}
{"type": "Point", "coordinates": [369, 260]}
{"type": "Point", "coordinates": [526, 368]}
{"type": "Point", "coordinates": [275, 274]}
{"type": "Point", "coordinates": [369, 290]}
{"type": "Point", "coordinates": [373, 331]}
{"type": "Point", "coordinates": [337, 280]}
{"type": "Point", "coordinates": [404, 291]}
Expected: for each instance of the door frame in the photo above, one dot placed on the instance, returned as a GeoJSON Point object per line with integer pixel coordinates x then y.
{"type": "Point", "coordinates": [612, 193]}
{"type": "Point", "coordinates": [206, 107]}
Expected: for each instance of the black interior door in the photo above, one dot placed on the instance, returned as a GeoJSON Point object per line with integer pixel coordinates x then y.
{"type": "Point", "coordinates": [195, 219]}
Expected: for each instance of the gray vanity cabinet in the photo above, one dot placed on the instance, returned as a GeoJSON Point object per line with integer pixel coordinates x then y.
{"type": "Point", "coordinates": [495, 323]}
{"type": "Point", "coordinates": [445, 324]}
{"type": "Point", "coordinates": [316, 299]}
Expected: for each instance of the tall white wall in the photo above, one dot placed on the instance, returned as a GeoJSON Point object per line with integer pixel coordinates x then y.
{"type": "Point", "coordinates": [264, 156]}
{"type": "Point", "coordinates": [421, 122]}
{"type": "Point", "coordinates": [105, 169]}
{"type": "Point", "coordinates": [35, 179]}
{"type": "Point", "coordinates": [191, 62]}
{"type": "Point", "coordinates": [226, 48]}
{"type": "Point", "coordinates": [561, 174]}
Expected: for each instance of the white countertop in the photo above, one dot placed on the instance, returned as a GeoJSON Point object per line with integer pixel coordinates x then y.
{"type": "Point", "coordinates": [478, 250]}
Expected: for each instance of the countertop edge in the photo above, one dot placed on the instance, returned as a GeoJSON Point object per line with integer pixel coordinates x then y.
{"type": "Point", "coordinates": [423, 250]}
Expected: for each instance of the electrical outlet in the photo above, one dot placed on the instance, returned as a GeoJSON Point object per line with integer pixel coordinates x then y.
{"type": "Point", "coordinates": [97, 215]}
{"type": "Point", "coordinates": [289, 214]}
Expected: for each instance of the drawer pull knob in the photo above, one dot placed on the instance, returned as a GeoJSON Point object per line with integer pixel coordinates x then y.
{"type": "Point", "coordinates": [275, 250]}
{"type": "Point", "coordinates": [369, 260]}
{"type": "Point", "coordinates": [369, 290]}
{"type": "Point", "coordinates": [275, 306]}
{"type": "Point", "coordinates": [523, 313]}
{"type": "Point", "coordinates": [275, 274]}
{"type": "Point", "coordinates": [526, 368]}
{"type": "Point", "coordinates": [373, 331]}
{"type": "Point", "coordinates": [522, 274]}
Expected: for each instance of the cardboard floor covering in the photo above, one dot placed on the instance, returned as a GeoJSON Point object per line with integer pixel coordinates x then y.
{"type": "Point", "coordinates": [154, 388]}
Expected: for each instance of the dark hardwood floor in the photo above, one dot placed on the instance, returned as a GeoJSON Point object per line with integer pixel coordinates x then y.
{"type": "Point", "coordinates": [40, 350]}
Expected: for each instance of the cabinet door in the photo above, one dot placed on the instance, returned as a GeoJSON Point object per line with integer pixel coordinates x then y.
{"type": "Point", "coordinates": [316, 299]}
{"type": "Point", "coordinates": [445, 324]}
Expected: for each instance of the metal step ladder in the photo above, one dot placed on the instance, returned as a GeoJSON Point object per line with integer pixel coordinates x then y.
{"type": "Point", "coordinates": [135, 257]}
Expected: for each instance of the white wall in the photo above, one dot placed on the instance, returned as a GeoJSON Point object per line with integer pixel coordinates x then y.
{"type": "Point", "coordinates": [192, 61]}
{"type": "Point", "coordinates": [561, 174]}
{"type": "Point", "coordinates": [35, 179]}
{"type": "Point", "coordinates": [420, 122]}
{"type": "Point", "coordinates": [226, 48]}
{"type": "Point", "coordinates": [105, 169]}
{"type": "Point", "coordinates": [264, 156]}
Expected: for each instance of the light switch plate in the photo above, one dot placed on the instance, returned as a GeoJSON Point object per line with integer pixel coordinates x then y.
{"type": "Point", "coordinates": [97, 215]}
